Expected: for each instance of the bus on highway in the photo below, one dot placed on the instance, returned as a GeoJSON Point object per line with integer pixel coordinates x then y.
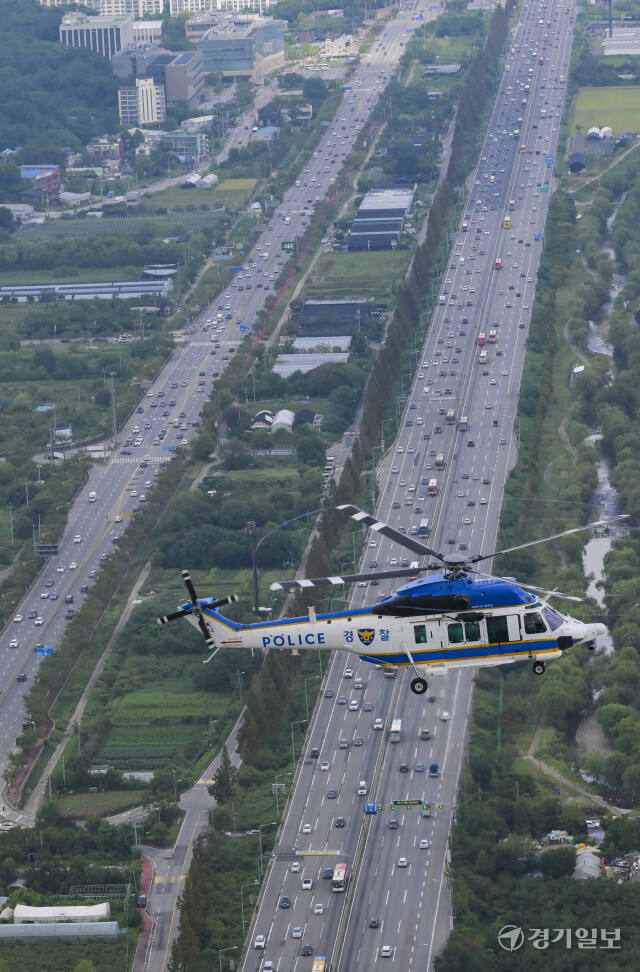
{"type": "Point", "coordinates": [339, 879]}
{"type": "Point", "coordinates": [423, 529]}
{"type": "Point", "coordinates": [451, 417]}
{"type": "Point", "coordinates": [507, 222]}
{"type": "Point", "coordinates": [396, 731]}
{"type": "Point", "coordinates": [482, 337]}
{"type": "Point", "coordinates": [463, 424]}
{"type": "Point", "coordinates": [498, 264]}
{"type": "Point", "coordinates": [493, 336]}
{"type": "Point", "coordinates": [482, 357]}
{"type": "Point", "coordinates": [319, 964]}
{"type": "Point", "coordinates": [440, 461]}
{"type": "Point", "coordinates": [432, 488]}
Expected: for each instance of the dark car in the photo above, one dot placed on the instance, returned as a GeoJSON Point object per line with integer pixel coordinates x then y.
{"type": "Point", "coordinates": [340, 822]}
{"type": "Point", "coordinates": [306, 949]}
{"type": "Point", "coordinates": [22, 677]}
{"type": "Point", "coordinates": [332, 794]}
{"type": "Point", "coordinates": [328, 693]}
{"type": "Point", "coordinates": [393, 824]}
{"type": "Point", "coordinates": [404, 768]}
{"type": "Point", "coordinates": [327, 873]}
{"type": "Point", "coordinates": [142, 901]}
{"type": "Point", "coordinates": [314, 753]}
{"type": "Point", "coordinates": [285, 901]}
{"type": "Point", "coordinates": [374, 922]}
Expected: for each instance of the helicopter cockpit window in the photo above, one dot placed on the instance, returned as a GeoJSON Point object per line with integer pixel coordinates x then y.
{"type": "Point", "coordinates": [533, 623]}
{"type": "Point", "coordinates": [456, 633]}
{"type": "Point", "coordinates": [553, 619]}
{"type": "Point", "coordinates": [420, 634]}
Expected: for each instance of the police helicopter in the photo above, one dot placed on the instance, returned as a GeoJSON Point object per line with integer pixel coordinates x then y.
{"type": "Point", "coordinates": [457, 617]}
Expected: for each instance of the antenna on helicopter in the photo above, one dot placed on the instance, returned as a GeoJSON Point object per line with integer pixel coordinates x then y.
{"type": "Point", "coordinates": [195, 608]}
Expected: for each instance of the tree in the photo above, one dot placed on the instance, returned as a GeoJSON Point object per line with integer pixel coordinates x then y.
{"type": "Point", "coordinates": [224, 788]}
{"type": "Point", "coordinates": [6, 219]}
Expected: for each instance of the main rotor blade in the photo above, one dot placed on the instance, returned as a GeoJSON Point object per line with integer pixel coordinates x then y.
{"type": "Point", "coordinates": [304, 583]}
{"type": "Point", "coordinates": [531, 587]}
{"type": "Point", "coordinates": [556, 536]}
{"type": "Point", "coordinates": [543, 590]}
{"type": "Point", "coordinates": [176, 614]}
{"type": "Point", "coordinates": [379, 526]}
{"type": "Point", "coordinates": [186, 576]}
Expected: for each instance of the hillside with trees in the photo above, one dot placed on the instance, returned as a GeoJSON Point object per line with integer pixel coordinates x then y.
{"type": "Point", "coordinates": [52, 96]}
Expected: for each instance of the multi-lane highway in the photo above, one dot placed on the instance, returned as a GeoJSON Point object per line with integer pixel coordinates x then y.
{"type": "Point", "coordinates": [489, 285]}
{"type": "Point", "coordinates": [168, 414]}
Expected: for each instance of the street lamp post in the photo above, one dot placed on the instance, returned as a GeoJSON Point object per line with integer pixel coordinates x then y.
{"type": "Point", "coordinates": [273, 823]}
{"type": "Point", "coordinates": [239, 673]}
{"type": "Point", "coordinates": [306, 696]}
{"type": "Point", "coordinates": [299, 722]}
{"type": "Point", "coordinates": [287, 773]}
{"type": "Point", "coordinates": [251, 884]}
{"type": "Point", "coordinates": [229, 948]}
{"type": "Point", "coordinates": [251, 532]}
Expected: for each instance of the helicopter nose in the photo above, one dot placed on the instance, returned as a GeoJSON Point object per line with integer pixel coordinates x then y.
{"type": "Point", "coordinates": [593, 631]}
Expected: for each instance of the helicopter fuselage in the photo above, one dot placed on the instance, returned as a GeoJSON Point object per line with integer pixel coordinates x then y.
{"type": "Point", "coordinates": [433, 642]}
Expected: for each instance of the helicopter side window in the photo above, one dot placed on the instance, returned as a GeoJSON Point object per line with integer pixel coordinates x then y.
{"type": "Point", "coordinates": [533, 623]}
{"type": "Point", "coordinates": [456, 633]}
{"type": "Point", "coordinates": [498, 629]}
{"type": "Point", "coordinates": [420, 634]}
{"type": "Point", "coordinates": [553, 619]}
{"type": "Point", "coordinates": [472, 630]}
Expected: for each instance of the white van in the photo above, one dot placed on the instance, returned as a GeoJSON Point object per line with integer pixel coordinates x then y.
{"type": "Point", "coordinates": [362, 788]}
{"type": "Point", "coordinates": [92, 497]}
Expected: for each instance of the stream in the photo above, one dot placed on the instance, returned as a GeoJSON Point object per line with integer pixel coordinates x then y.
{"type": "Point", "coordinates": [604, 499]}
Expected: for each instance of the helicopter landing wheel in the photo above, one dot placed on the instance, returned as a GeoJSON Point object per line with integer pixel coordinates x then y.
{"type": "Point", "coordinates": [419, 686]}
{"type": "Point", "coordinates": [539, 668]}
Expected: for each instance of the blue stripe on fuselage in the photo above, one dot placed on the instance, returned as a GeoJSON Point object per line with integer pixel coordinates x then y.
{"type": "Point", "coordinates": [439, 655]}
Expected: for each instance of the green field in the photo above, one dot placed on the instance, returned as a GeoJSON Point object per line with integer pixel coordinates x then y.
{"type": "Point", "coordinates": [344, 275]}
{"type": "Point", "coordinates": [234, 192]}
{"type": "Point", "coordinates": [99, 804]}
{"type": "Point", "coordinates": [619, 108]}
{"type": "Point", "coordinates": [82, 275]}
{"type": "Point", "coordinates": [176, 199]}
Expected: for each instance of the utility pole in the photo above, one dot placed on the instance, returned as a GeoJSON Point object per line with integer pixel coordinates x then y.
{"type": "Point", "coordinates": [113, 408]}
{"type": "Point", "coordinates": [251, 531]}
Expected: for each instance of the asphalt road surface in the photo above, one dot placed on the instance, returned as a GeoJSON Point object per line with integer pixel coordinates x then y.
{"type": "Point", "coordinates": [412, 902]}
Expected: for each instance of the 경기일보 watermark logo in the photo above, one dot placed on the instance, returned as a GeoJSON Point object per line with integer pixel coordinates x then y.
{"type": "Point", "coordinates": [512, 937]}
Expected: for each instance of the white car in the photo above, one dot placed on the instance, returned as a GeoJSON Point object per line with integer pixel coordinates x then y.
{"type": "Point", "coordinates": [353, 706]}
{"type": "Point", "coordinates": [134, 492]}
{"type": "Point", "coordinates": [260, 941]}
{"type": "Point", "coordinates": [77, 538]}
{"type": "Point", "coordinates": [307, 884]}
{"type": "Point", "coordinates": [14, 643]}
{"type": "Point", "coordinates": [296, 932]}
{"type": "Point", "coordinates": [306, 829]}
{"type": "Point", "coordinates": [18, 618]}
{"type": "Point", "coordinates": [72, 565]}
{"type": "Point", "coordinates": [39, 621]}
{"type": "Point", "coordinates": [348, 673]}
{"type": "Point", "coordinates": [295, 867]}
{"type": "Point", "coordinates": [403, 862]}
{"type": "Point", "coordinates": [386, 951]}
{"type": "Point", "coordinates": [60, 569]}
{"type": "Point", "coordinates": [318, 909]}
{"type": "Point", "coordinates": [324, 765]}
{"type": "Point", "coordinates": [445, 717]}
{"type": "Point", "coordinates": [424, 843]}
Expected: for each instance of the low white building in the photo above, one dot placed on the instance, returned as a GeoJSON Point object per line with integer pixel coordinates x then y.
{"type": "Point", "coordinates": [25, 914]}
